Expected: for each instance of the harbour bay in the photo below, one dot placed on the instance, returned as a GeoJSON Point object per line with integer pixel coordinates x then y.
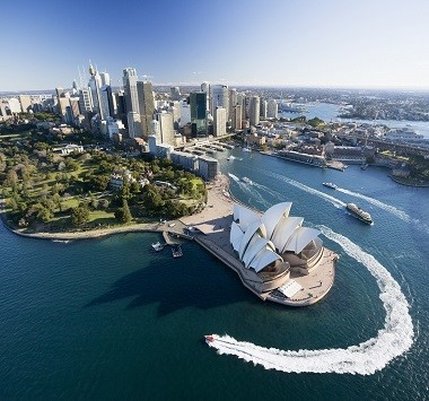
{"type": "Point", "coordinates": [109, 319]}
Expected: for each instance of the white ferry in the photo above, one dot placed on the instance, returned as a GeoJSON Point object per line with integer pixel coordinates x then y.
{"type": "Point", "coordinates": [359, 213]}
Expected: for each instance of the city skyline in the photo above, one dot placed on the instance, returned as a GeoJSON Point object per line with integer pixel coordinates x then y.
{"type": "Point", "coordinates": [334, 44]}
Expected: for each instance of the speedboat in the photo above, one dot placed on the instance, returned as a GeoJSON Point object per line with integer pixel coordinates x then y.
{"type": "Point", "coordinates": [359, 213]}
{"type": "Point", "coordinates": [246, 180]}
{"type": "Point", "coordinates": [209, 338]}
{"type": "Point", "coordinates": [330, 185]}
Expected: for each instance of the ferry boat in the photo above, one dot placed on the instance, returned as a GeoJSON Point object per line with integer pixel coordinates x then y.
{"type": "Point", "coordinates": [359, 213]}
{"type": "Point", "coordinates": [246, 180]}
{"type": "Point", "coordinates": [330, 185]}
{"type": "Point", "coordinates": [157, 246]}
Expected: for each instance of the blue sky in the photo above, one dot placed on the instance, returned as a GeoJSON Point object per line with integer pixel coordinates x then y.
{"type": "Point", "coordinates": [329, 43]}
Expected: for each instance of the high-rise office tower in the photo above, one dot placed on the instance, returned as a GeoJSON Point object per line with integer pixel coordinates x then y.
{"type": "Point", "coordinates": [175, 93]}
{"type": "Point", "coordinates": [219, 98]}
{"type": "Point", "coordinates": [241, 101]}
{"type": "Point", "coordinates": [205, 87]}
{"type": "Point", "coordinates": [198, 101]}
{"type": "Point", "coordinates": [107, 104]}
{"type": "Point", "coordinates": [254, 110]}
{"type": "Point", "coordinates": [263, 109]}
{"type": "Point", "coordinates": [130, 90]}
{"type": "Point", "coordinates": [237, 118]}
{"type": "Point", "coordinates": [166, 128]}
{"type": "Point", "coordinates": [105, 78]}
{"type": "Point", "coordinates": [174, 108]}
{"type": "Point", "coordinates": [85, 100]}
{"type": "Point", "coordinates": [272, 109]}
{"type": "Point", "coordinates": [95, 87]}
{"type": "Point", "coordinates": [232, 102]}
{"type": "Point", "coordinates": [220, 121]}
{"type": "Point", "coordinates": [134, 125]}
{"type": "Point", "coordinates": [25, 101]}
{"type": "Point", "coordinates": [146, 105]}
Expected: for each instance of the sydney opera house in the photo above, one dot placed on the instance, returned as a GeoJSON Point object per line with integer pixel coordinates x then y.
{"type": "Point", "coordinates": [280, 260]}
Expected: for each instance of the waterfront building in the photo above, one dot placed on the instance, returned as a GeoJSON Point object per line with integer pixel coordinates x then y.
{"type": "Point", "coordinates": [272, 109]}
{"type": "Point", "coordinates": [220, 121]}
{"type": "Point", "coordinates": [219, 98]}
{"type": "Point", "coordinates": [188, 161]}
{"type": "Point", "coordinates": [198, 105]}
{"type": "Point", "coordinates": [146, 105]}
{"type": "Point", "coordinates": [208, 167]}
{"type": "Point", "coordinates": [254, 110]}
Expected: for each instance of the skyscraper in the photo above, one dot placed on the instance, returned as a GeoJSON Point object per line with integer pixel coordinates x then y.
{"type": "Point", "coordinates": [254, 110]}
{"type": "Point", "coordinates": [175, 93]}
{"type": "Point", "coordinates": [134, 125]}
{"type": "Point", "coordinates": [166, 128]}
{"type": "Point", "coordinates": [205, 87]}
{"type": "Point", "coordinates": [263, 109]}
{"type": "Point", "coordinates": [220, 121]}
{"type": "Point", "coordinates": [95, 87]}
{"type": "Point", "coordinates": [146, 105]}
{"type": "Point", "coordinates": [232, 102]}
{"type": "Point", "coordinates": [85, 100]}
{"type": "Point", "coordinates": [130, 90]}
{"type": "Point", "coordinates": [272, 109]}
{"type": "Point", "coordinates": [198, 102]}
{"type": "Point", "coordinates": [237, 118]}
{"type": "Point", "coordinates": [219, 98]}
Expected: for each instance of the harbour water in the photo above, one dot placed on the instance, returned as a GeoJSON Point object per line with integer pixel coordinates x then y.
{"type": "Point", "coordinates": [329, 112]}
{"type": "Point", "coordinates": [109, 319]}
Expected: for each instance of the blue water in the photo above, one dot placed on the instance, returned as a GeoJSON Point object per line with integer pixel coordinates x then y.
{"type": "Point", "coordinates": [329, 112]}
{"type": "Point", "coordinates": [108, 319]}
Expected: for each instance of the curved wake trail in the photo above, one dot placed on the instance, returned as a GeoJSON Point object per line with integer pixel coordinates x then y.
{"type": "Point", "coordinates": [395, 338]}
{"type": "Point", "coordinates": [388, 208]}
{"type": "Point", "coordinates": [245, 188]}
{"type": "Point", "coordinates": [336, 202]}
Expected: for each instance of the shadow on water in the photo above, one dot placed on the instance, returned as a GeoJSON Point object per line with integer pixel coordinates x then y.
{"type": "Point", "coordinates": [178, 284]}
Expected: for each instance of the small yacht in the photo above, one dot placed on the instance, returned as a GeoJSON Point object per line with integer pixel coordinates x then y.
{"type": "Point", "coordinates": [177, 251]}
{"type": "Point", "coordinates": [246, 180]}
{"type": "Point", "coordinates": [330, 185]}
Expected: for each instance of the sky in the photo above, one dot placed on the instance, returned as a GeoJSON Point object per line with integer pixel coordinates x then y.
{"type": "Point", "coordinates": [314, 43]}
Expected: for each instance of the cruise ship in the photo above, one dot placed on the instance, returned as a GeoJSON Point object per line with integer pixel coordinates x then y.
{"type": "Point", "coordinates": [359, 213]}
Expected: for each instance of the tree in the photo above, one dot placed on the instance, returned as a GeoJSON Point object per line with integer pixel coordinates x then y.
{"type": "Point", "coordinates": [127, 217]}
{"type": "Point", "coordinates": [80, 215]}
{"type": "Point", "coordinates": [11, 178]}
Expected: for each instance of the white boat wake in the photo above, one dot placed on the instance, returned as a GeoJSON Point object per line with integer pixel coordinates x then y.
{"type": "Point", "coordinates": [394, 339]}
{"type": "Point", "coordinates": [388, 208]}
{"type": "Point", "coordinates": [336, 202]}
{"type": "Point", "coordinates": [245, 187]}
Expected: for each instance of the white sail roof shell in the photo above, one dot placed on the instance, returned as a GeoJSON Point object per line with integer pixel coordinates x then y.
{"type": "Point", "coordinates": [274, 214]}
{"type": "Point", "coordinates": [264, 258]}
{"type": "Point", "coordinates": [255, 246]}
{"type": "Point", "coordinates": [284, 230]}
{"type": "Point", "coordinates": [235, 236]}
{"type": "Point", "coordinates": [249, 233]}
{"type": "Point", "coordinates": [301, 238]}
{"type": "Point", "coordinates": [245, 216]}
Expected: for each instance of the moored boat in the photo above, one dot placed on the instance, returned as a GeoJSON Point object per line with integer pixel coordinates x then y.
{"type": "Point", "coordinates": [359, 213]}
{"type": "Point", "coordinates": [157, 246]}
